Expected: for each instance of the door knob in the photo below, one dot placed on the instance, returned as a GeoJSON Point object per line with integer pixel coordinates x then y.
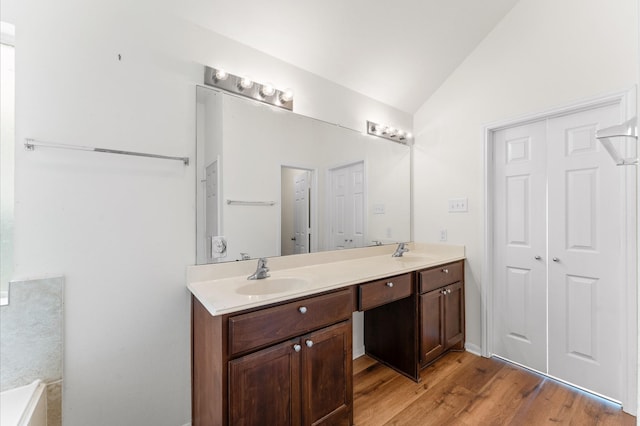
{"type": "Point", "coordinates": [555, 259]}
{"type": "Point", "coordinates": [537, 258]}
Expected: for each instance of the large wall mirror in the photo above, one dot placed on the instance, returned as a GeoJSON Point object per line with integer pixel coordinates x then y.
{"type": "Point", "coordinates": [272, 183]}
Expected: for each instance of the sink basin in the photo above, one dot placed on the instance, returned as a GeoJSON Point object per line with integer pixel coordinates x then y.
{"type": "Point", "coordinates": [272, 286]}
{"type": "Point", "coordinates": [411, 259]}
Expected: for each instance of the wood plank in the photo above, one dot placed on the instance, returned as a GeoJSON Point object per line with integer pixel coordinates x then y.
{"type": "Point", "coordinates": [463, 389]}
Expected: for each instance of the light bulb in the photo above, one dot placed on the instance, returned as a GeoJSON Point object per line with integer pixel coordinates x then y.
{"type": "Point", "coordinates": [267, 89]}
{"type": "Point", "coordinates": [246, 83]}
{"type": "Point", "coordinates": [392, 132]}
{"type": "Point", "coordinates": [401, 135]}
{"type": "Point", "coordinates": [409, 135]}
{"type": "Point", "coordinates": [286, 96]}
{"type": "Point", "coordinates": [221, 74]}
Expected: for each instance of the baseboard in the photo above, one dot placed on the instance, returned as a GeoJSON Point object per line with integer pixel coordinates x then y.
{"type": "Point", "coordinates": [474, 349]}
{"type": "Point", "coordinates": [358, 352]}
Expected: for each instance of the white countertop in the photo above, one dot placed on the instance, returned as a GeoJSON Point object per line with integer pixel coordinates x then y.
{"type": "Point", "coordinates": [224, 288]}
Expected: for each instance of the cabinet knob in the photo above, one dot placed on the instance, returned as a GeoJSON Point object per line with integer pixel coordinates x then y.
{"type": "Point", "coordinates": [555, 259]}
{"type": "Point", "coordinates": [448, 291]}
{"type": "Point", "coordinates": [309, 343]}
{"type": "Point", "coordinates": [445, 270]}
{"type": "Point", "coordinates": [302, 309]}
{"type": "Point", "coordinates": [297, 347]}
{"type": "Point", "coordinates": [389, 284]}
{"type": "Point", "coordinates": [443, 291]}
{"type": "Point", "coordinates": [537, 258]}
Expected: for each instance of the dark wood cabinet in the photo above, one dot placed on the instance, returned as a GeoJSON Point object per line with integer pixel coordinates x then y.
{"type": "Point", "coordinates": [441, 311]}
{"type": "Point", "coordinates": [288, 364]}
{"type": "Point", "coordinates": [305, 381]}
{"type": "Point", "coordinates": [327, 377]}
{"type": "Point", "coordinates": [264, 387]}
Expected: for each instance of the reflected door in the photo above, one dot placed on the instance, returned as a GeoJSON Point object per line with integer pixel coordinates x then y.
{"type": "Point", "coordinates": [302, 211]}
{"type": "Point", "coordinates": [211, 207]}
{"type": "Point", "coordinates": [347, 206]}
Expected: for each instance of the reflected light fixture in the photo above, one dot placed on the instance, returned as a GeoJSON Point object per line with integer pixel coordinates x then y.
{"type": "Point", "coordinates": [245, 86]}
{"type": "Point", "coordinates": [245, 83]}
{"type": "Point", "coordinates": [388, 132]}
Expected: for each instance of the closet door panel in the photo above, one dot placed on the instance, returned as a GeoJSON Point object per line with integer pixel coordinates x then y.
{"type": "Point", "coordinates": [586, 281]}
{"type": "Point", "coordinates": [520, 323]}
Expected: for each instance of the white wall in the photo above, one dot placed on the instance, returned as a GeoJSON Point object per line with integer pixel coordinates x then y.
{"type": "Point", "coordinates": [544, 54]}
{"type": "Point", "coordinates": [122, 229]}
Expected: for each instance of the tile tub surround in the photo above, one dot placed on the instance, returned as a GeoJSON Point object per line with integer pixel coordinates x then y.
{"type": "Point", "coordinates": [215, 285]}
{"type": "Point", "coordinates": [31, 338]}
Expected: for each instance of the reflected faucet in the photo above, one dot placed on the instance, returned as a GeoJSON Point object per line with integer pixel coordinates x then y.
{"type": "Point", "coordinates": [262, 271]}
{"type": "Point", "coordinates": [400, 250]}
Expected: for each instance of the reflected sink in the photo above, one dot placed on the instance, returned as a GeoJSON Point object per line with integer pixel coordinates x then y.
{"type": "Point", "coordinates": [272, 286]}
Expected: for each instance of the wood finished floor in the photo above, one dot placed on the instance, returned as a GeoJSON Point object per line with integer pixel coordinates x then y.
{"type": "Point", "coordinates": [465, 389]}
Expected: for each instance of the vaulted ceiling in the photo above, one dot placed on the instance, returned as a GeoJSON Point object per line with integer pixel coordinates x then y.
{"type": "Point", "coordinates": [398, 52]}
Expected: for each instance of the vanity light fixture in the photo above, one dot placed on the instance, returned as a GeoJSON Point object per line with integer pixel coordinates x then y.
{"type": "Point", "coordinates": [245, 83]}
{"type": "Point", "coordinates": [267, 90]}
{"type": "Point", "coordinates": [245, 86]}
{"type": "Point", "coordinates": [388, 132]}
{"type": "Point", "coordinates": [221, 75]}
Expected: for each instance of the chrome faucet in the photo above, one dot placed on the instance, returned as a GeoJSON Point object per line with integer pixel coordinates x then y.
{"type": "Point", "coordinates": [400, 250]}
{"type": "Point", "coordinates": [262, 271]}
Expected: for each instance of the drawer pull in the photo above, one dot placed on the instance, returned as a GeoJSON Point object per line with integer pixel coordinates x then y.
{"type": "Point", "coordinates": [443, 291]}
{"type": "Point", "coordinates": [389, 284]}
{"type": "Point", "coordinates": [445, 270]}
{"type": "Point", "coordinates": [309, 343]}
{"type": "Point", "coordinates": [302, 309]}
{"type": "Point", "coordinates": [448, 291]}
{"type": "Point", "coordinates": [297, 347]}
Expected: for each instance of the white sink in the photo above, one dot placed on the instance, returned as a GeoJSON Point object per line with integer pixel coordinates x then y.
{"type": "Point", "coordinates": [272, 286]}
{"type": "Point", "coordinates": [411, 259]}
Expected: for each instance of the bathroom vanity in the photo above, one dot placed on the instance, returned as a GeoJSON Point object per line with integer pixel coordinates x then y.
{"type": "Point", "coordinates": [279, 350]}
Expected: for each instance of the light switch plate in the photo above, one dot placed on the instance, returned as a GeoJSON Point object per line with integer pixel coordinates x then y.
{"type": "Point", "coordinates": [458, 205]}
{"type": "Point", "coordinates": [378, 209]}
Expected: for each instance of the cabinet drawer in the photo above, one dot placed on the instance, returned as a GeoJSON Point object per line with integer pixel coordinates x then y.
{"type": "Point", "coordinates": [380, 292]}
{"type": "Point", "coordinates": [439, 276]}
{"type": "Point", "coordinates": [270, 325]}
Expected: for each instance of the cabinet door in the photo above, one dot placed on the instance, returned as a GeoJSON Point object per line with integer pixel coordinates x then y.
{"type": "Point", "coordinates": [454, 316]}
{"type": "Point", "coordinates": [432, 342]}
{"type": "Point", "coordinates": [327, 387]}
{"type": "Point", "coordinates": [264, 387]}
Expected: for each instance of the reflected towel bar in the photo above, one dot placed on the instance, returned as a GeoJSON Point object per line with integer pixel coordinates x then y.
{"type": "Point", "coordinates": [251, 203]}
{"type": "Point", "coordinates": [30, 144]}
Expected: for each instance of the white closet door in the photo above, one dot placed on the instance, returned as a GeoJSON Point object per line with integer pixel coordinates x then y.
{"type": "Point", "coordinates": [586, 279]}
{"type": "Point", "coordinates": [347, 221]}
{"type": "Point", "coordinates": [520, 314]}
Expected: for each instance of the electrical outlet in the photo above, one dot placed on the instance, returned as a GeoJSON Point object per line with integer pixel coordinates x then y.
{"type": "Point", "coordinates": [443, 235]}
{"type": "Point", "coordinates": [218, 247]}
{"type": "Point", "coordinates": [458, 205]}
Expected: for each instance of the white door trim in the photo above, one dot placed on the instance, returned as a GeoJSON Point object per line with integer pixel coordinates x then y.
{"type": "Point", "coordinates": [627, 101]}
